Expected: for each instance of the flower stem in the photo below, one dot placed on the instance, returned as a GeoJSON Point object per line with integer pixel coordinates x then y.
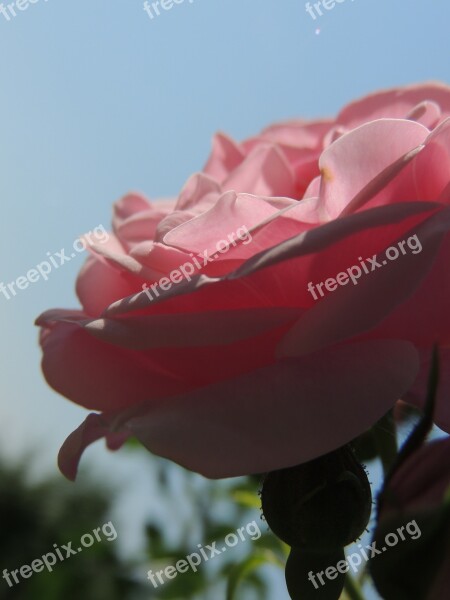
{"type": "Point", "coordinates": [385, 436]}
{"type": "Point", "coordinates": [352, 589]}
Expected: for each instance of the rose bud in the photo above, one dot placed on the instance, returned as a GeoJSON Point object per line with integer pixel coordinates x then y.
{"type": "Point", "coordinates": [321, 505]}
{"type": "Point", "coordinates": [305, 575]}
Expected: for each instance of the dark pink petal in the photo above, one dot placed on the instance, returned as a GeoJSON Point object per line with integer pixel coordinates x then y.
{"type": "Point", "coordinates": [101, 376]}
{"type": "Point", "coordinates": [213, 328]}
{"type": "Point", "coordinates": [91, 430]}
{"type": "Point", "coordinates": [270, 418]}
{"type": "Point", "coordinates": [353, 309]}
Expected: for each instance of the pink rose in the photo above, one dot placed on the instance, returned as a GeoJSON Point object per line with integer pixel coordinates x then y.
{"type": "Point", "coordinates": [240, 368]}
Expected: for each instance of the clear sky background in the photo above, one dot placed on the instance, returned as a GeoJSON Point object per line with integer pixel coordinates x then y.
{"type": "Point", "coordinates": [96, 99]}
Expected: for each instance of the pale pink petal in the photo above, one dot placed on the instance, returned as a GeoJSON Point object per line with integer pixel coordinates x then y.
{"type": "Point", "coordinates": [298, 133]}
{"type": "Point", "coordinates": [199, 194]}
{"type": "Point", "coordinates": [431, 167]}
{"type": "Point", "coordinates": [98, 284]}
{"type": "Point", "coordinates": [313, 190]}
{"type": "Point", "coordinates": [394, 103]}
{"type": "Point", "coordinates": [129, 205]}
{"type": "Point", "coordinates": [172, 221]}
{"type": "Point", "coordinates": [427, 113]}
{"type": "Point", "coordinates": [264, 172]}
{"type": "Point", "coordinates": [356, 158]}
{"type": "Point", "coordinates": [135, 218]}
{"type": "Point", "coordinates": [159, 258]}
{"type": "Point", "coordinates": [226, 155]}
{"type": "Point", "coordinates": [125, 264]}
{"type": "Point", "coordinates": [139, 227]}
{"type": "Point", "coordinates": [419, 175]}
{"type": "Point", "coordinates": [334, 134]}
{"type": "Point", "coordinates": [230, 213]}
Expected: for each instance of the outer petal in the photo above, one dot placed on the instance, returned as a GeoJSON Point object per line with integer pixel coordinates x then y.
{"type": "Point", "coordinates": [395, 103]}
{"type": "Point", "coordinates": [297, 133]}
{"type": "Point", "coordinates": [94, 427]}
{"type": "Point", "coordinates": [101, 376]}
{"type": "Point", "coordinates": [270, 419]}
{"type": "Point", "coordinates": [267, 419]}
{"type": "Point", "coordinates": [205, 329]}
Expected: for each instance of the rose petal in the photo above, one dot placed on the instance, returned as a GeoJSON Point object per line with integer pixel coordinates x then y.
{"type": "Point", "coordinates": [264, 172]}
{"type": "Point", "coordinates": [270, 419]}
{"type": "Point", "coordinates": [394, 103]}
{"type": "Point", "coordinates": [353, 309]}
{"type": "Point", "coordinates": [226, 155]}
{"type": "Point", "coordinates": [214, 328]}
{"type": "Point", "coordinates": [342, 180]}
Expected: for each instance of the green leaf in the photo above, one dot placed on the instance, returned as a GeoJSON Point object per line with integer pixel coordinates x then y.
{"type": "Point", "coordinates": [246, 498]}
{"type": "Point", "coordinates": [242, 570]}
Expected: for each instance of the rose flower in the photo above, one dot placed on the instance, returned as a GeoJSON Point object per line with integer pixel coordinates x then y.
{"type": "Point", "coordinates": [280, 305]}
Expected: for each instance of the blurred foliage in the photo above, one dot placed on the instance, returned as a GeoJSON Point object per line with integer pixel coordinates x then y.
{"type": "Point", "coordinates": [215, 509]}
{"type": "Point", "coordinates": [34, 517]}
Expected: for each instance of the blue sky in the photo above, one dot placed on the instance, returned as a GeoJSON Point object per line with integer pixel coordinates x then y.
{"type": "Point", "coordinates": [98, 99]}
